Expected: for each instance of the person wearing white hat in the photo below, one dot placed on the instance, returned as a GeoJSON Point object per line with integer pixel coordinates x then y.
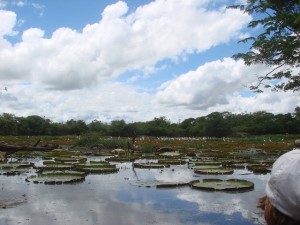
{"type": "Point", "coordinates": [282, 201]}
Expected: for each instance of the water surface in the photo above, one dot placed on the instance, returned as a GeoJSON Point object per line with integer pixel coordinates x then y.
{"type": "Point", "coordinates": [116, 199]}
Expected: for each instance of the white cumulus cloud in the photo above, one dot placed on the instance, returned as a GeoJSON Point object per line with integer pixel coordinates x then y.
{"type": "Point", "coordinates": [218, 86]}
{"type": "Point", "coordinates": [119, 42]}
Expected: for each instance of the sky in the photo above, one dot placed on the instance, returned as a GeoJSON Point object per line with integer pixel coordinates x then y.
{"type": "Point", "coordinates": [128, 60]}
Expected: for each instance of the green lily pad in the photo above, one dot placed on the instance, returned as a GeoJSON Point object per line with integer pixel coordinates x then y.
{"type": "Point", "coordinates": [172, 161]}
{"type": "Point", "coordinates": [160, 184]}
{"type": "Point", "coordinates": [171, 184]}
{"type": "Point", "coordinates": [56, 166]}
{"type": "Point", "coordinates": [99, 170]}
{"type": "Point", "coordinates": [63, 172]}
{"type": "Point", "coordinates": [15, 171]}
{"type": "Point", "coordinates": [150, 165]}
{"type": "Point", "coordinates": [235, 185]}
{"type": "Point", "coordinates": [213, 171]}
{"type": "Point", "coordinates": [70, 159]}
{"type": "Point", "coordinates": [122, 158]}
{"type": "Point", "coordinates": [56, 178]}
{"type": "Point", "coordinates": [205, 167]}
{"type": "Point", "coordinates": [95, 164]}
{"type": "Point", "coordinates": [170, 154]}
{"type": "Point", "coordinates": [204, 163]}
{"type": "Point", "coordinates": [15, 168]}
{"type": "Point", "coordinates": [16, 165]}
{"type": "Point", "coordinates": [98, 167]}
{"type": "Point", "coordinates": [259, 169]}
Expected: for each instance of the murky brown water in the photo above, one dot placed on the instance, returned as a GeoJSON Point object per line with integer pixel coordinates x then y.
{"type": "Point", "coordinates": [113, 200]}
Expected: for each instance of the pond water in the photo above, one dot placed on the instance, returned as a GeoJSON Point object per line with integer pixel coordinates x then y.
{"type": "Point", "coordinates": [117, 199]}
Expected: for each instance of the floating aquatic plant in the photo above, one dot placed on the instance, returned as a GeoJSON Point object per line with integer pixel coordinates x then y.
{"type": "Point", "coordinates": [213, 171]}
{"type": "Point", "coordinates": [235, 185]}
{"type": "Point", "coordinates": [150, 165]}
{"type": "Point", "coordinates": [56, 178]}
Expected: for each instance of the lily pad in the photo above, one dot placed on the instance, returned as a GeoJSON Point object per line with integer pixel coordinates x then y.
{"type": "Point", "coordinates": [15, 168]}
{"type": "Point", "coordinates": [259, 169]}
{"type": "Point", "coordinates": [56, 166]}
{"type": "Point", "coordinates": [213, 171]}
{"type": "Point", "coordinates": [15, 171]}
{"type": "Point", "coordinates": [205, 167]}
{"type": "Point", "coordinates": [16, 165]}
{"type": "Point", "coordinates": [97, 170]}
{"type": "Point", "coordinates": [70, 159]}
{"type": "Point", "coordinates": [234, 185]}
{"type": "Point", "coordinates": [208, 163]}
{"type": "Point", "coordinates": [171, 184]}
{"type": "Point", "coordinates": [172, 161]}
{"type": "Point", "coordinates": [170, 154]}
{"type": "Point", "coordinates": [65, 172]}
{"type": "Point", "coordinates": [160, 184]}
{"type": "Point", "coordinates": [97, 167]}
{"type": "Point", "coordinates": [150, 165]}
{"type": "Point", "coordinates": [56, 178]}
{"type": "Point", "coordinates": [122, 158]}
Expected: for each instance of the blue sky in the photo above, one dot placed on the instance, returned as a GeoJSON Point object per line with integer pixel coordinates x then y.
{"type": "Point", "coordinates": [131, 60]}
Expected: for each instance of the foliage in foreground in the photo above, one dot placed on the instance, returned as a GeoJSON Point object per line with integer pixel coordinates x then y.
{"type": "Point", "coordinates": [278, 44]}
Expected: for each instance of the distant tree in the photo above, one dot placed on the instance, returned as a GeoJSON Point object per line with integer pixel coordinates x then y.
{"type": "Point", "coordinates": [278, 45]}
{"type": "Point", "coordinates": [33, 125]}
{"type": "Point", "coordinates": [297, 113]}
{"type": "Point", "coordinates": [262, 122]}
{"type": "Point", "coordinates": [58, 129]}
{"type": "Point", "coordinates": [98, 126]}
{"type": "Point", "coordinates": [117, 128]}
{"type": "Point", "coordinates": [186, 127]}
{"type": "Point", "coordinates": [285, 124]}
{"type": "Point", "coordinates": [76, 127]}
{"type": "Point", "coordinates": [139, 128]}
{"type": "Point", "coordinates": [8, 124]}
{"type": "Point", "coordinates": [217, 125]}
{"type": "Point", "coordinates": [159, 127]}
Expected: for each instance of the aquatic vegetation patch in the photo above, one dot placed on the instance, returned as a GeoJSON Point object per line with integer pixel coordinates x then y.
{"type": "Point", "coordinates": [99, 167]}
{"type": "Point", "coordinates": [171, 184]}
{"type": "Point", "coordinates": [63, 172]}
{"type": "Point", "coordinates": [28, 154]}
{"type": "Point", "coordinates": [15, 171]}
{"type": "Point", "coordinates": [62, 153]}
{"type": "Point", "coordinates": [234, 185]}
{"type": "Point", "coordinates": [55, 166]}
{"type": "Point", "coordinates": [73, 159]}
{"type": "Point", "coordinates": [56, 178]}
{"type": "Point", "coordinates": [213, 171]}
{"type": "Point", "coordinates": [122, 158]}
{"type": "Point", "coordinates": [15, 168]}
{"type": "Point", "coordinates": [172, 161]}
{"type": "Point", "coordinates": [206, 167]}
{"type": "Point", "coordinates": [99, 170]}
{"type": "Point", "coordinates": [160, 184]}
{"type": "Point", "coordinates": [170, 154]}
{"type": "Point", "coordinates": [16, 165]}
{"type": "Point", "coordinates": [150, 165]}
{"type": "Point", "coordinates": [259, 169]}
{"type": "Point", "coordinates": [218, 163]}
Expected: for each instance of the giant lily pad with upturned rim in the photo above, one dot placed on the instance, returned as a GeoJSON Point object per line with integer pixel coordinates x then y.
{"type": "Point", "coordinates": [160, 184]}
{"type": "Point", "coordinates": [56, 178]}
{"type": "Point", "coordinates": [233, 185]}
{"type": "Point", "coordinates": [150, 165]}
{"type": "Point", "coordinates": [213, 171]}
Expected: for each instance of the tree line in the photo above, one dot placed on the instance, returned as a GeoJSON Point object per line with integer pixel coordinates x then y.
{"type": "Point", "coordinates": [216, 124]}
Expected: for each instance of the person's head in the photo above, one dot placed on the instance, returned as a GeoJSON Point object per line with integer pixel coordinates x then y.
{"type": "Point", "coordinates": [282, 200]}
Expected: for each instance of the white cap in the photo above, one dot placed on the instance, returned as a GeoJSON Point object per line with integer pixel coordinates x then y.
{"type": "Point", "coordinates": [283, 187]}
